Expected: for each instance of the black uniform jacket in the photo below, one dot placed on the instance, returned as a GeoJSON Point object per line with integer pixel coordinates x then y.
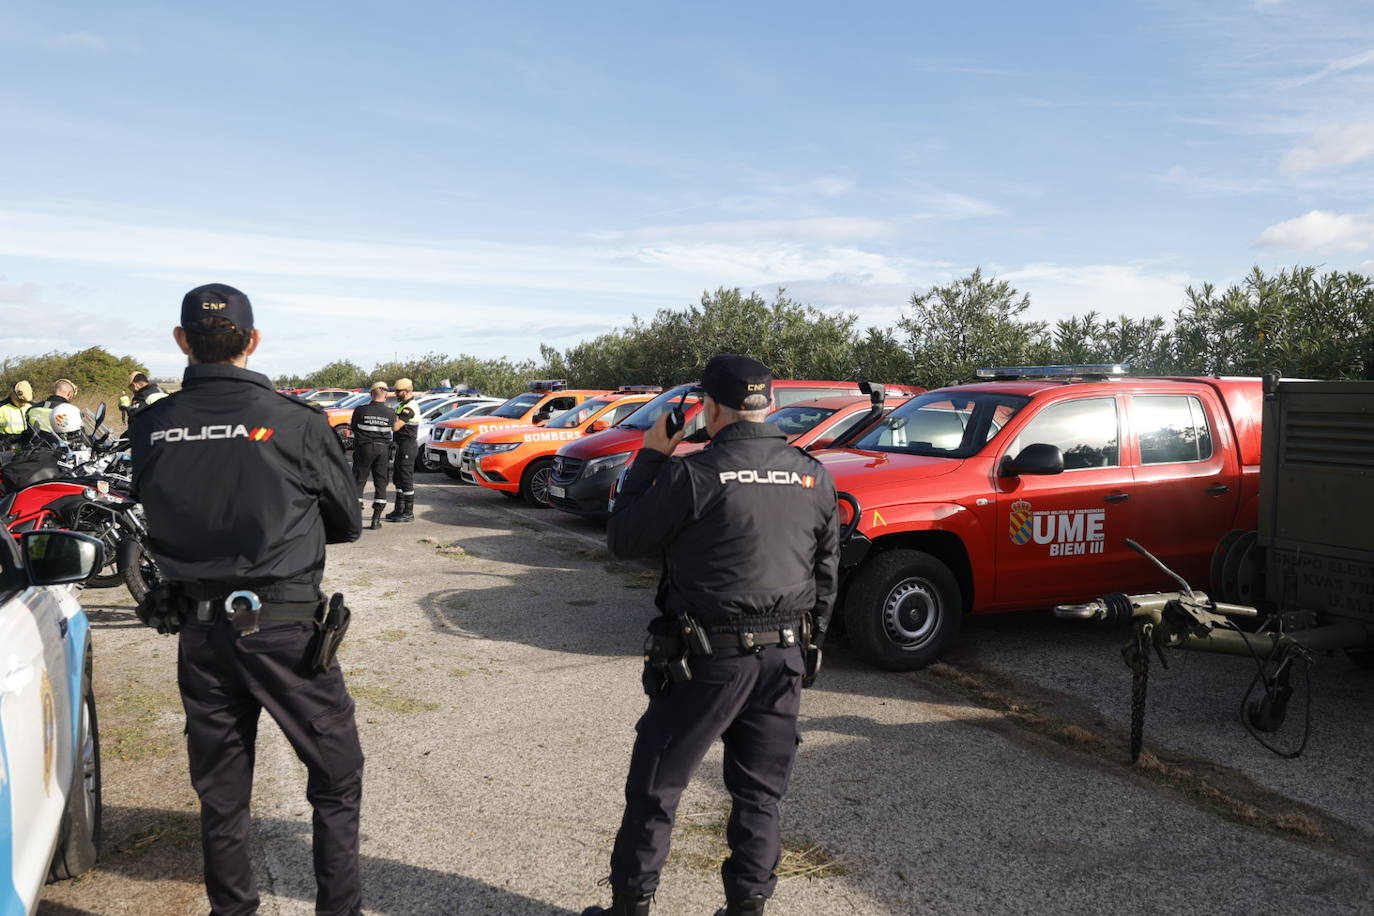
{"type": "Point", "coordinates": [372, 421]}
{"type": "Point", "coordinates": [408, 412]}
{"type": "Point", "coordinates": [748, 526]}
{"type": "Point", "coordinates": [242, 486]}
{"type": "Point", "coordinates": [140, 398]}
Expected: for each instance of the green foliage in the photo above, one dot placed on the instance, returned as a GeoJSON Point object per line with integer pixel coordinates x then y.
{"type": "Point", "coordinates": [793, 339]}
{"type": "Point", "coordinates": [953, 329]}
{"type": "Point", "coordinates": [1087, 340]}
{"type": "Point", "coordinates": [100, 375]}
{"type": "Point", "coordinates": [496, 377]}
{"type": "Point", "coordinates": [1295, 321]}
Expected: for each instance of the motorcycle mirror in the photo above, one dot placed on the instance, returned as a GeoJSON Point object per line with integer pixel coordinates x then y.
{"type": "Point", "coordinates": [99, 414]}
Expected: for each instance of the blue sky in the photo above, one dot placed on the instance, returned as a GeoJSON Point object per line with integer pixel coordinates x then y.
{"type": "Point", "coordinates": [397, 178]}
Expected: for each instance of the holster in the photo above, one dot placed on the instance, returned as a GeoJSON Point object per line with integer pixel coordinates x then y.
{"type": "Point", "coordinates": [161, 608]}
{"type": "Point", "coordinates": [665, 657]}
{"type": "Point", "coordinates": [811, 653]}
{"type": "Point", "coordinates": [331, 632]}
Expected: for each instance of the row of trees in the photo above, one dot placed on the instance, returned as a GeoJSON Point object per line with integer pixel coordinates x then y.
{"type": "Point", "coordinates": [1298, 322]}
{"type": "Point", "coordinates": [100, 375]}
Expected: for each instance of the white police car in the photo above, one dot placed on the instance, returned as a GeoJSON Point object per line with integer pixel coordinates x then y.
{"type": "Point", "coordinates": [49, 743]}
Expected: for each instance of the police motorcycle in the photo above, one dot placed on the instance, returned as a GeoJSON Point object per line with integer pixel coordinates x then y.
{"type": "Point", "coordinates": [68, 478]}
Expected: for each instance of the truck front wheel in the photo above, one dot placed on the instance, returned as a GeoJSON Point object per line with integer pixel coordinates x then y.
{"type": "Point", "coordinates": [903, 610]}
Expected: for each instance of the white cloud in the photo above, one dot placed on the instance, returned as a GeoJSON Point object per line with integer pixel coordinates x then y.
{"type": "Point", "coordinates": [825, 186]}
{"type": "Point", "coordinates": [832, 229]}
{"type": "Point", "coordinates": [1199, 181]}
{"type": "Point", "coordinates": [1332, 69]}
{"type": "Point", "coordinates": [1059, 291]}
{"type": "Point", "coordinates": [1331, 147]}
{"type": "Point", "coordinates": [80, 41]}
{"type": "Point", "coordinates": [953, 205]}
{"type": "Point", "coordinates": [1320, 230]}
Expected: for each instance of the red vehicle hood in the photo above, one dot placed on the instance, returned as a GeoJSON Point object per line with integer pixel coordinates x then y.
{"type": "Point", "coordinates": [882, 478]}
{"type": "Point", "coordinates": [607, 442]}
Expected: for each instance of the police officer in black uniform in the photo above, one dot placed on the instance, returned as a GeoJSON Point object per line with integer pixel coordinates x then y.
{"type": "Point", "coordinates": [372, 424]}
{"type": "Point", "coordinates": [144, 392]}
{"type": "Point", "coordinates": [406, 430]}
{"type": "Point", "coordinates": [243, 487]}
{"type": "Point", "coordinates": [749, 533]}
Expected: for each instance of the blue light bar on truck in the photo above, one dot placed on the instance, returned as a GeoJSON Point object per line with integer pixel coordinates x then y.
{"type": "Point", "coordinates": [639, 389]}
{"type": "Point", "coordinates": [1096, 370]}
{"type": "Point", "coordinates": [557, 384]}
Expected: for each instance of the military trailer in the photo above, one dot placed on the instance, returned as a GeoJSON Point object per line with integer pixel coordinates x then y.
{"type": "Point", "coordinates": [1302, 583]}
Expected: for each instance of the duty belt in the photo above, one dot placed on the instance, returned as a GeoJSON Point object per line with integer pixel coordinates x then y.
{"type": "Point", "coordinates": [210, 609]}
{"type": "Point", "coordinates": [759, 639]}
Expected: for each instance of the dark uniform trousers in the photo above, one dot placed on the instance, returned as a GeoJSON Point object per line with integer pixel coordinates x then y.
{"type": "Point", "coordinates": [369, 460]}
{"type": "Point", "coordinates": [748, 698]}
{"type": "Point", "coordinates": [403, 473]}
{"type": "Point", "coordinates": [226, 681]}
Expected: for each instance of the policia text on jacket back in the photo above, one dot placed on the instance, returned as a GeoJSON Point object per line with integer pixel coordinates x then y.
{"type": "Point", "coordinates": [372, 423]}
{"type": "Point", "coordinates": [243, 487]}
{"type": "Point", "coordinates": [749, 558]}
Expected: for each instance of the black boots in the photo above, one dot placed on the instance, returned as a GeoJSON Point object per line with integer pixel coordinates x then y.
{"type": "Point", "coordinates": [405, 509]}
{"type": "Point", "coordinates": [749, 906]}
{"type": "Point", "coordinates": [376, 516]}
{"type": "Point", "coordinates": [623, 903]}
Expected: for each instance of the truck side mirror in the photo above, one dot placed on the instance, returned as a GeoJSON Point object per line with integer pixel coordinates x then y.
{"type": "Point", "coordinates": [541, 417]}
{"type": "Point", "coordinates": [599, 426]}
{"type": "Point", "coordinates": [1037, 458]}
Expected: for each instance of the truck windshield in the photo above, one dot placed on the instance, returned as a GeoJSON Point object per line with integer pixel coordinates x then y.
{"type": "Point", "coordinates": [575, 417]}
{"type": "Point", "coordinates": [796, 420]}
{"type": "Point", "coordinates": [644, 417]}
{"type": "Point", "coordinates": [943, 424]}
{"type": "Point", "coordinates": [515, 408]}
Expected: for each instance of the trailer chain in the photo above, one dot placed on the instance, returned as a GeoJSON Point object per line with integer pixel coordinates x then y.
{"type": "Point", "coordinates": [1137, 656]}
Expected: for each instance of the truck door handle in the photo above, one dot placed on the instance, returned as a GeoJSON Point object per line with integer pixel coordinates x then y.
{"type": "Point", "coordinates": [1218, 490]}
{"type": "Point", "coordinates": [1117, 498]}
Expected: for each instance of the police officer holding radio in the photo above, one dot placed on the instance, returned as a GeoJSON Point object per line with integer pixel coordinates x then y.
{"type": "Point", "coordinates": [243, 487]}
{"type": "Point", "coordinates": [372, 424]}
{"type": "Point", "coordinates": [406, 430]}
{"type": "Point", "coordinates": [749, 535]}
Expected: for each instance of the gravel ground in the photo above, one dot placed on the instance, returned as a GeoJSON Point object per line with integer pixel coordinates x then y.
{"type": "Point", "coordinates": [494, 656]}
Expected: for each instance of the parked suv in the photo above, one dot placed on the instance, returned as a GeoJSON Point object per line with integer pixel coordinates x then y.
{"type": "Point", "coordinates": [1019, 492]}
{"type": "Point", "coordinates": [544, 401]}
{"type": "Point", "coordinates": [519, 459]}
{"type": "Point", "coordinates": [584, 470]}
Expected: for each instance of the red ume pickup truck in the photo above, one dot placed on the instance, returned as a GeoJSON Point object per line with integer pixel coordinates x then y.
{"type": "Point", "coordinates": [1018, 493]}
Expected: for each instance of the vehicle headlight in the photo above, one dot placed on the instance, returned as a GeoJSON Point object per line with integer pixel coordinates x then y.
{"type": "Point", "coordinates": [460, 434]}
{"type": "Point", "coordinates": [606, 462]}
{"type": "Point", "coordinates": [493, 448]}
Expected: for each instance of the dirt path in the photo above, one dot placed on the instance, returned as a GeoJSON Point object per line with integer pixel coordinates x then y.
{"type": "Point", "coordinates": [494, 657]}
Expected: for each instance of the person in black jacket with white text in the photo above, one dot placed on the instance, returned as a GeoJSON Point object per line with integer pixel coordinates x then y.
{"type": "Point", "coordinates": [749, 535]}
{"type": "Point", "coordinates": [243, 488]}
{"type": "Point", "coordinates": [372, 424]}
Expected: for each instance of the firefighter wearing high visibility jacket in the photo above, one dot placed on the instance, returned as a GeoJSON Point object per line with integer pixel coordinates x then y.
{"type": "Point", "coordinates": [14, 420]}
{"type": "Point", "coordinates": [405, 432]}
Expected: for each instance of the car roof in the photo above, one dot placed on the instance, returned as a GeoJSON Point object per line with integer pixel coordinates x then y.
{"type": "Point", "coordinates": [1032, 387]}
{"type": "Point", "coordinates": [836, 402]}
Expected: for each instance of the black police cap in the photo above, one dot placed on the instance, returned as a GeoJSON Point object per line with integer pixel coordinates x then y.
{"type": "Point", "coordinates": [216, 300]}
{"type": "Point", "coordinates": [729, 379]}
